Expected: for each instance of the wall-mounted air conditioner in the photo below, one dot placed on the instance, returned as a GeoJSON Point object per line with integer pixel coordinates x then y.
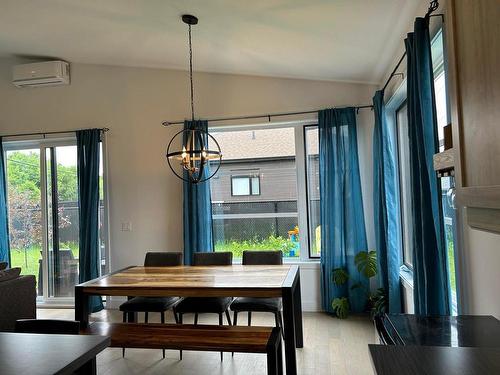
{"type": "Point", "coordinates": [47, 73]}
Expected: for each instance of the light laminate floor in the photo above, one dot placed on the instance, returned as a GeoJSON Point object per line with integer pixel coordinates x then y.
{"type": "Point", "coordinates": [331, 346]}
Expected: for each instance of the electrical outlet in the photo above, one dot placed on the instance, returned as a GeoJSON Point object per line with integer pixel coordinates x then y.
{"type": "Point", "coordinates": [127, 226]}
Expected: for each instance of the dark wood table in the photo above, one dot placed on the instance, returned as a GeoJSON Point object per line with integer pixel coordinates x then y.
{"type": "Point", "coordinates": [456, 331]}
{"type": "Point", "coordinates": [207, 281]}
{"type": "Point", "coordinates": [41, 354]}
{"type": "Point", "coordinates": [434, 360]}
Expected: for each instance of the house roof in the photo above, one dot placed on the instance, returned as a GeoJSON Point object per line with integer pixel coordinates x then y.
{"type": "Point", "coordinates": [262, 143]}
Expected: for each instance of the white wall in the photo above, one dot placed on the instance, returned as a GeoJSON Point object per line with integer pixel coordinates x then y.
{"type": "Point", "coordinates": [482, 274]}
{"type": "Point", "coordinates": [132, 102]}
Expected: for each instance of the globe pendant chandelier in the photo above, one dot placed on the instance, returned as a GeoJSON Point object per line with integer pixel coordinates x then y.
{"type": "Point", "coordinates": [200, 156]}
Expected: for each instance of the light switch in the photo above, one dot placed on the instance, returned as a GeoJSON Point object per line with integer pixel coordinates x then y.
{"type": "Point", "coordinates": [126, 226]}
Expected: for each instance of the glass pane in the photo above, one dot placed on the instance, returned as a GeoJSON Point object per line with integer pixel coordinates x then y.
{"type": "Point", "coordinates": [63, 214]}
{"type": "Point", "coordinates": [268, 221]}
{"type": "Point", "coordinates": [405, 183]}
{"type": "Point", "coordinates": [255, 185]}
{"type": "Point", "coordinates": [447, 183]}
{"type": "Point", "coordinates": [102, 234]}
{"type": "Point", "coordinates": [25, 214]}
{"type": "Point", "coordinates": [312, 169]}
{"type": "Point", "coordinates": [241, 186]}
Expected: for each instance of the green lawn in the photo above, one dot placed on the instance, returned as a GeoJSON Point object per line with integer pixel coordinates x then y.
{"type": "Point", "coordinates": [28, 259]}
{"type": "Point", "coordinates": [271, 243]}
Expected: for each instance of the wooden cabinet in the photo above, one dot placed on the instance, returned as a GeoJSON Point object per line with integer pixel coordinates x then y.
{"type": "Point", "coordinates": [473, 48]}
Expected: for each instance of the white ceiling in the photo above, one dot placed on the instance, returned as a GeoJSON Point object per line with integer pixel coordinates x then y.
{"type": "Point", "coordinates": [351, 40]}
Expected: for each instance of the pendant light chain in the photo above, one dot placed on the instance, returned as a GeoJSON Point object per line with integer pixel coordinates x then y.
{"type": "Point", "coordinates": [198, 162]}
{"type": "Point", "coordinates": [191, 74]}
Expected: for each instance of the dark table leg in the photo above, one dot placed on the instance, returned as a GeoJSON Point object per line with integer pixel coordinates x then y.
{"type": "Point", "coordinates": [297, 305]}
{"type": "Point", "coordinates": [89, 368]}
{"type": "Point", "coordinates": [289, 331]}
{"type": "Point", "coordinates": [81, 307]}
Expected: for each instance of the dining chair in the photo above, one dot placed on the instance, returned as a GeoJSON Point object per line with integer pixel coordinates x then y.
{"type": "Point", "coordinates": [260, 304]}
{"type": "Point", "coordinates": [153, 304]}
{"type": "Point", "coordinates": [203, 305]}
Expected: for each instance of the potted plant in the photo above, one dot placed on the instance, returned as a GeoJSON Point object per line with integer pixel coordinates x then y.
{"type": "Point", "coordinates": [376, 302]}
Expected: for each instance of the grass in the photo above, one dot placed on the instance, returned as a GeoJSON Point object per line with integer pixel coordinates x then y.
{"type": "Point", "coordinates": [270, 243]}
{"type": "Point", "coordinates": [451, 264]}
{"type": "Point", "coordinates": [28, 259]}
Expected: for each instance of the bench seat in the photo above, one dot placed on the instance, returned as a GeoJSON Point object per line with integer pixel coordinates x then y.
{"type": "Point", "coordinates": [194, 337]}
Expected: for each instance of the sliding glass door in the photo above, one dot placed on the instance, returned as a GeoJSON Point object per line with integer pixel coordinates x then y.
{"type": "Point", "coordinates": [24, 207]}
{"type": "Point", "coordinates": [62, 220]}
{"type": "Point", "coordinates": [43, 215]}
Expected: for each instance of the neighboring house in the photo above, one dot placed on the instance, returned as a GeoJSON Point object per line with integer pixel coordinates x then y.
{"type": "Point", "coordinates": [254, 194]}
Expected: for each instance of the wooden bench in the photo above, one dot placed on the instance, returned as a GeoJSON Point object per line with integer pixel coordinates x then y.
{"type": "Point", "coordinates": [195, 337]}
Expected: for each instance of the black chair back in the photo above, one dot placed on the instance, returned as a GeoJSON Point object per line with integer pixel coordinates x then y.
{"type": "Point", "coordinates": [383, 333]}
{"type": "Point", "coordinates": [213, 259]}
{"type": "Point", "coordinates": [49, 326]}
{"type": "Point", "coordinates": [265, 257]}
{"type": "Point", "coordinates": [163, 259]}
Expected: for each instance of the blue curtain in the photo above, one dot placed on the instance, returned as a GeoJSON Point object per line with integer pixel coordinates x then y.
{"type": "Point", "coordinates": [197, 209]}
{"type": "Point", "coordinates": [430, 270]}
{"type": "Point", "coordinates": [4, 221]}
{"type": "Point", "coordinates": [87, 143]}
{"type": "Point", "coordinates": [386, 206]}
{"type": "Point", "coordinates": [343, 232]}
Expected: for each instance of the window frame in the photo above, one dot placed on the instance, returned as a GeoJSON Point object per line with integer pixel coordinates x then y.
{"type": "Point", "coordinates": [306, 171]}
{"type": "Point", "coordinates": [300, 173]}
{"type": "Point", "coordinates": [405, 263]}
{"type": "Point", "coordinates": [249, 177]}
{"type": "Point", "coordinates": [43, 143]}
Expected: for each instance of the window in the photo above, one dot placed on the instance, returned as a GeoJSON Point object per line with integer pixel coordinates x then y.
{"type": "Point", "coordinates": [405, 183]}
{"type": "Point", "coordinates": [255, 195]}
{"type": "Point", "coordinates": [397, 111]}
{"type": "Point", "coordinates": [311, 137]}
{"type": "Point", "coordinates": [447, 183]}
{"type": "Point", "coordinates": [42, 194]}
{"type": "Point", "coordinates": [245, 185]}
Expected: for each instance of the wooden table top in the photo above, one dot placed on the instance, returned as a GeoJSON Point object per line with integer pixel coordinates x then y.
{"type": "Point", "coordinates": [234, 280]}
{"type": "Point", "coordinates": [25, 353]}
{"type": "Point", "coordinates": [434, 360]}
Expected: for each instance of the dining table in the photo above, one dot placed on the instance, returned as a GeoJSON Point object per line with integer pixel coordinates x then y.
{"type": "Point", "coordinates": [43, 354]}
{"type": "Point", "coordinates": [281, 281]}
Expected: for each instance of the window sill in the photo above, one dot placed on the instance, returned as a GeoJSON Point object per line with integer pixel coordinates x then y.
{"type": "Point", "coordinates": [312, 263]}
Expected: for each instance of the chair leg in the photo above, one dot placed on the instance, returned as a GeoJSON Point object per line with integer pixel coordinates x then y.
{"type": "Point", "coordinates": [162, 317]}
{"type": "Point", "coordinates": [175, 317]}
{"type": "Point", "coordinates": [279, 319]}
{"type": "Point", "coordinates": [249, 318]}
{"type": "Point", "coordinates": [228, 317]}
{"type": "Point", "coordinates": [235, 322]}
{"type": "Point", "coordinates": [221, 323]}
{"type": "Point", "coordinates": [146, 317]}
{"type": "Point", "coordinates": [124, 321]}
{"type": "Point", "coordinates": [195, 318]}
{"type": "Point", "coordinates": [180, 322]}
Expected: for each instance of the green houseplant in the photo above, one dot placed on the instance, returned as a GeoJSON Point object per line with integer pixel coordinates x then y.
{"type": "Point", "coordinates": [366, 263]}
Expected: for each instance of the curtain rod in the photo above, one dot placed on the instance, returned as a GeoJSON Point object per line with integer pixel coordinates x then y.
{"type": "Point", "coordinates": [269, 116]}
{"type": "Point", "coordinates": [48, 133]}
{"type": "Point", "coordinates": [433, 6]}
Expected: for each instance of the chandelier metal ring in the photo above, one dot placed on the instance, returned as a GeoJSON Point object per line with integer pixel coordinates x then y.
{"type": "Point", "coordinates": [192, 154]}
